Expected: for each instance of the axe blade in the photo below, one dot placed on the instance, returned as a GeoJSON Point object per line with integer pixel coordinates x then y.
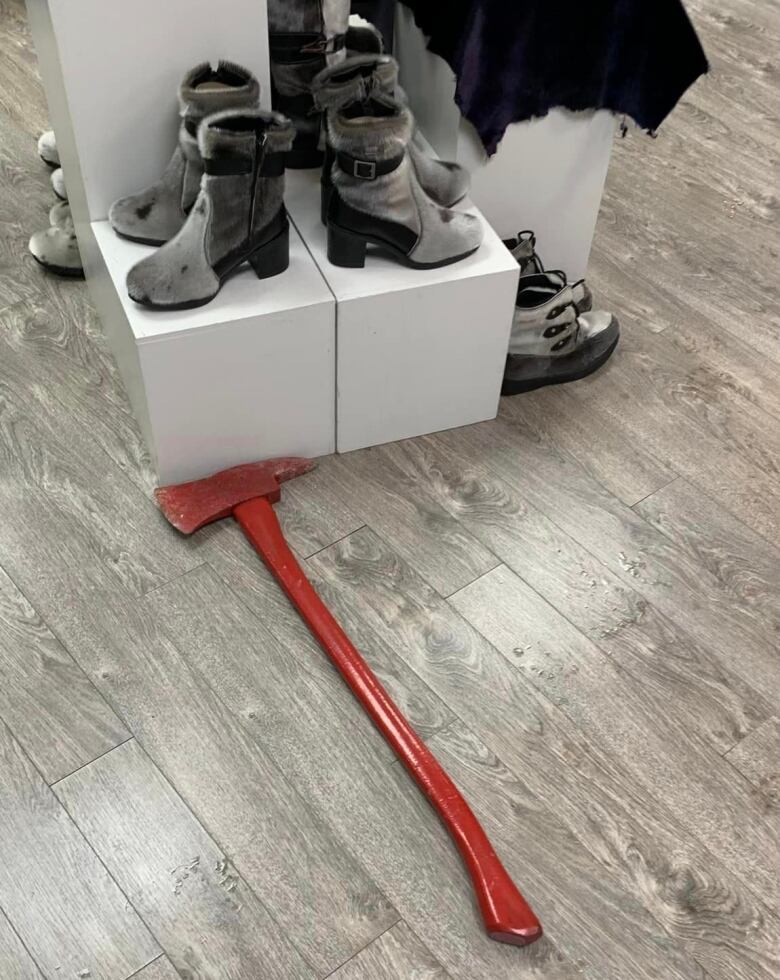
{"type": "Point", "coordinates": [189, 506]}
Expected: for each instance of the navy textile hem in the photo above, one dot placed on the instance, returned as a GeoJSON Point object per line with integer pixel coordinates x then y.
{"type": "Point", "coordinates": [515, 61]}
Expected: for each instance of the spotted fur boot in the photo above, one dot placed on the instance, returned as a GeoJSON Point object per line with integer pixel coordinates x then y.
{"type": "Point", "coordinates": [238, 216]}
{"type": "Point", "coordinates": [551, 341]}
{"type": "Point", "coordinates": [57, 180]}
{"type": "Point", "coordinates": [377, 198]}
{"type": "Point", "coordinates": [56, 248]}
{"type": "Point", "coordinates": [156, 214]}
{"type": "Point", "coordinates": [354, 79]}
{"type": "Point", "coordinates": [305, 36]}
{"type": "Point", "coordinates": [47, 149]}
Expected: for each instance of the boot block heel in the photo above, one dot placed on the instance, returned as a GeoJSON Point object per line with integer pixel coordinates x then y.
{"type": "Point", "coordinates": [345, 249]}
{"type": "Point", "coordinates": [326, 193]}
{"type": "Point", "coordinates": [273, 258]}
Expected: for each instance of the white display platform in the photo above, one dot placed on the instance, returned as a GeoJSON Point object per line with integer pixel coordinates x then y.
{"type": "Point", "coordinates": [548, 174]}
{"type": "Point", "coordinates": [417, 350]}
{"type": "Point", "coordinates": [249, 376]}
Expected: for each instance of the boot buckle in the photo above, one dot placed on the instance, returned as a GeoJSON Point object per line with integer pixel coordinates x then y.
{"type": "Point", "coordinates": [364, 169]}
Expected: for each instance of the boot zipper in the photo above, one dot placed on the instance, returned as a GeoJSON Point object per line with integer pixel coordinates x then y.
{"type": "Point", "coordinates": [260, 146]}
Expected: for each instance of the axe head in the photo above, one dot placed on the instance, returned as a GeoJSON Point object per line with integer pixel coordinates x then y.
{"type": "Point", "coordinates": [188, 506]}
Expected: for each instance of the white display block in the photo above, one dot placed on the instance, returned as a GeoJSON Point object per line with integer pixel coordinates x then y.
{"type": "Point", "coordinates": [548, 174]}
{"type": "Point", "coordinates": [417, 350]}
{"type": "Point", "coordinates": [249, 376]}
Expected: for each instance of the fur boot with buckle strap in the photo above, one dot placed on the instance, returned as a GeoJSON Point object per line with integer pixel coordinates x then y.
{"type": "Point", "coordinates": [354, 80]}
{"type": "Point", "coordinates": [551, 341]}
{"type": "Point", "coordinates": [155, 215]}
{"type": "Point", "coordinates": [377, 198]}
{"type": "Point", "coordinates": [305, 36]}
{"type": "Point", "coordinates": [238, 216]}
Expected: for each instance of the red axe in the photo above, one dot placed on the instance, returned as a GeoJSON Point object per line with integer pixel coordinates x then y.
{"type": "Point", "coordinates": [247, 492]}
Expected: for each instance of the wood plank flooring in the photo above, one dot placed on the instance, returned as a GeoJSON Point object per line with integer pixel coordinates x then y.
{"type": "Point", "coordinates": [578, 606]}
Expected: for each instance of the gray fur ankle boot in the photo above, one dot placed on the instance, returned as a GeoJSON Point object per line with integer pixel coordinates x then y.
{"type": "Point", "coordinates": [156, 214]}
{"type": "Point", "coordinates": [551, 341]}
{"type": "Point", "coordinates": [305, 36]}
{"type": "Point", "coordinates": [238, 216]}
{"type": "Point", "coordinates": [353, 80]}
{"type": "Point", "coordinates": [377, 198]}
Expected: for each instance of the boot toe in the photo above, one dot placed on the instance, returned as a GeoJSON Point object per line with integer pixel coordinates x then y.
{"type": "Point", "coordinates": [169, 279]}
{"type": "Point", "coordinates": [58, 184]}
{"type": "Point", "coordinates": [47, 148]}
{"type": "Point", "coordinates": [57, 250]}
{"type": "Point", "coordinates": [143, 218]}
{"type": "Point", "coordinates": [595, 323]}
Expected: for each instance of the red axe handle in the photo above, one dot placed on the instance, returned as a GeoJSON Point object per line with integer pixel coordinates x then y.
{"type": "Point", "coordinates": [508, 917]}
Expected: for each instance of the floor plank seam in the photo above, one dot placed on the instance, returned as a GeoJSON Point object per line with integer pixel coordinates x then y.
{"type": "Point", "coordinates": [469, 584]}
{"type": "Point", "coordinates": [15, 932]}
{"type": "Point", "coordinates": [97, 758]}
{"type": "Point", "coordinates": [362, 949]}
{"type": "Point", "coordinates": [332, 543]}
{"type": "Point", "coordinates": [388, 544]}
{"type": "Point", "coordinates": [652, 493]}
{"type": "Point", "coordinates": [162, 956]}
{"type": "Point", "coordinates": [163, 585]}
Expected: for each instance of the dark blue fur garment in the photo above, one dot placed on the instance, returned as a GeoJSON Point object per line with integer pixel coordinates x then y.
{"type": "Point", "coordinates": [517, 59]}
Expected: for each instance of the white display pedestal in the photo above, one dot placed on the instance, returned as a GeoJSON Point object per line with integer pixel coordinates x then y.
{"type": "Point", "coordinates": [417, 350]}
{"type": "Point", "coordinates": [548, 174]}
{"type": "Point", "coordinates": [249, 376]}
{"type": "Point", "coordinates": [252, 374]}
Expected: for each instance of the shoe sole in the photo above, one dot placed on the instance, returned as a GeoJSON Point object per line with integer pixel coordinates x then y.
{"type": "Point", "coordinates": [509, 387]}
{"type": "Point", "coordinates": [347, 250]}
{"type": "Point", "coordinates": [271, 259]}
{"type": "Point", "coordinates": [60, 270]}
{"type": "Point", "coordinates": [157, 242]}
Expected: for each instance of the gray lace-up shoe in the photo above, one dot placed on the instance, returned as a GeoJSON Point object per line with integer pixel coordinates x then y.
{"type": "Point", "coordinates": [377, 198]}
{"type": "Point", "coordinates": [156, 214]}
{"type": "Point", "coordinates": [355, 79]}
{"type": "Point", "coordinates": [551, 342]}
{"type": "Point", "coordinates": [238, 216]}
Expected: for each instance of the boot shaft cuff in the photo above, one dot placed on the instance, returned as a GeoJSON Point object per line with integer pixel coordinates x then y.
{"type": "Point", "coordinates": [234, 133]}
{"type": "Point", "coordinates": [371, 137]}
{"type": "Point", "coordinates": [205, 90]}
{"type": "Point", "coordinates": [355, 79]}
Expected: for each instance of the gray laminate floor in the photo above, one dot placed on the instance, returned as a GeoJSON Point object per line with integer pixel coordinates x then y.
{"type": "Point", "coordinates": [578, 606]}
